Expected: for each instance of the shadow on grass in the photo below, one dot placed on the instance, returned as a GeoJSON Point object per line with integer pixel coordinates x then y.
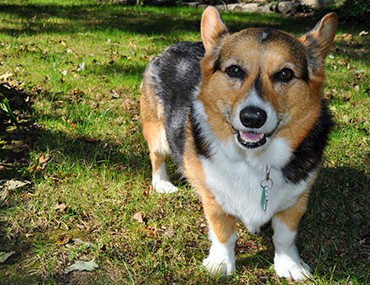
{"type": "Point", "coordinates": [80, 18]}
{"type": "Point", "coordinates": [15, 141]}
{"type": "Point", "coordinates": [67, 19]}
{"type": "Point", "coordinates": [334, 235]}
{"type": "Point", "coordinates": [336, 227]}
{"type": "Point", "coordinates": [15, 163]}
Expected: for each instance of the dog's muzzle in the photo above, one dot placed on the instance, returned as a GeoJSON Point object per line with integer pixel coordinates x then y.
{"type": "Point", "coordinates": [253, 119]}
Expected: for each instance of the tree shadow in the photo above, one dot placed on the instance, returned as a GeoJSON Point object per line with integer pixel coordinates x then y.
{"type": "Point", "coordinates": [17, 143]}
{"type": "Point", "coordinates": [88, 17]}
{"type": "Point", "coordinates": [69, 19]}
{"type": "Point", "coordinates": [336, 227]}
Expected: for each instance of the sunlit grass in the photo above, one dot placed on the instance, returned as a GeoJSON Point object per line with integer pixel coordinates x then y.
{"type": "Point", "coordinates": [81, 63]}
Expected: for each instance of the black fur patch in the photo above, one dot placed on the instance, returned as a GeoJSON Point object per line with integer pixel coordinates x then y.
{"type": "Point", "coordinates": [176, 77]}
{"type": "Point", "coordinates": [258, 85]}
{"type": "Point", "coordinates": [199, 140]}
{"type": "Point", "coordinates": [309, 154]}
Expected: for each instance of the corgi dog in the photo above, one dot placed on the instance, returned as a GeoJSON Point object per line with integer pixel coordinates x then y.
{"type": "Point", "coordinates": [242, 116]}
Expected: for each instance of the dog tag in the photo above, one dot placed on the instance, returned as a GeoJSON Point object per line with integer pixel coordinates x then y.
{"type": "Point", "coordinates": [264, 198]}
{"type": "Point", "coordinates": [266, 185]}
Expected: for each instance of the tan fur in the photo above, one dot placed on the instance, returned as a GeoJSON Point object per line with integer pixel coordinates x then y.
{"type": "Point", "coordinates": [292, 216]}
{"type": "Point", "coordinates": [222, 224]}
{"type": "Point", "coordinates": [151, 116]}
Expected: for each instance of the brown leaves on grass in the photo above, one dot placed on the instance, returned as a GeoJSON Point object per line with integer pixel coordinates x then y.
{"type": "Point", "coordinates": [41, 163]}
{"type": "Point", "coordinates": [8, 188]}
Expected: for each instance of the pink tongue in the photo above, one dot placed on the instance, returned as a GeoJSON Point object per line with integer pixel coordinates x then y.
{"type": "Point", "coordinates": [251, 136]}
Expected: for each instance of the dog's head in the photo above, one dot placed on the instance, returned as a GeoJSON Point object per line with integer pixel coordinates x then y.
{"type": "Point", "coordinates": [261, 83]}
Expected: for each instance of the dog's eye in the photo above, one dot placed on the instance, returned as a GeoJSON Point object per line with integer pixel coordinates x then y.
{"type": "Point", "coordinates": [235, 71]}
{"type": "Point", "coordinates": [284, 75]}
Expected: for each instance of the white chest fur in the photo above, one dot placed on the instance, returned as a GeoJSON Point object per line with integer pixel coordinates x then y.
{"type": "Point", "coordinates": [235, 180]}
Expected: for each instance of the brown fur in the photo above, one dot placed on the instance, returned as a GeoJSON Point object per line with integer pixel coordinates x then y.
{"type": "Point", "coordinates": [220, 222]}
{"type": "Point", "coordinates": [153, 125]}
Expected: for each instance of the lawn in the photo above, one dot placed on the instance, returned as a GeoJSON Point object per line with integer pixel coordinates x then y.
{"type": "Point", "coordinates": [75, 173]}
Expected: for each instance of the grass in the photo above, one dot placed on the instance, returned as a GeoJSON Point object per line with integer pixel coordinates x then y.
{"type": "Point", "coordinates": [71, 71]}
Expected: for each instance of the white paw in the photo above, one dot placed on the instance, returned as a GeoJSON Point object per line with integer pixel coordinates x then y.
{"type": "Point", "coordinates": [291, 269]}
{"type": "Point", "coordinates": [163, 186]}
{"type": "Point", "coordinates": [219, 266]}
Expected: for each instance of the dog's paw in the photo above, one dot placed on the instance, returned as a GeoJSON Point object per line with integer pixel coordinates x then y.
{"type": "Point", "coordinates": [164, 186]}
{"type": "Point", "coordinates": [217, 266]}
{"type": "Point", "coordinates": [296, 270]}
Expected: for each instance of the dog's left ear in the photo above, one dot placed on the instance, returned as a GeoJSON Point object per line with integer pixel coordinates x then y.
{"type": "Point", "coordinates": [212, 28]}
{"type": "Point", "coordinates": [319, 40]}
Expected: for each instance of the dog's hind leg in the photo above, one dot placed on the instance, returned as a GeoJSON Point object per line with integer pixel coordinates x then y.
{"type": "Point", "coordinates": [151, 115]}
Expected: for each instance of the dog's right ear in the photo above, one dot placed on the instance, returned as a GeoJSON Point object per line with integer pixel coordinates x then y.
{"type": "Point", "coordinates": [212, 28]}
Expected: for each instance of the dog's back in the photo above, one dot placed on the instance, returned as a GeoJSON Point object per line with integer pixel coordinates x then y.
{"type": "Point", "coordinates": [174, 76]}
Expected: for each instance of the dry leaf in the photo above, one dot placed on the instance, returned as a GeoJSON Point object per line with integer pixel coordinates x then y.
{"type": "Point", "coordinates": [60, 207]}
{"type": "Point", "coordinates": [44, 160]}
{"type": "Point", "coordinates": [63, 239]}
{"type": "Point", "coordinates": [5, 255]}
{"type": "Point", "coordinates": [63, 43]}
{"type": "Point", "coordinates": [14, 184]}
{"type": "Point", "coordinates": [138, 217]}
{"type": "Point", "coordinates": [169, 233]}
{"type": "Point", "coordinates": [82, 266]}
{"type": "Point", "coordinates": [78, 241]}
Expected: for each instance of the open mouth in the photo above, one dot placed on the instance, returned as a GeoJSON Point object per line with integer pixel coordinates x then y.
{"type": "Point", "coordinates": [251, 139]}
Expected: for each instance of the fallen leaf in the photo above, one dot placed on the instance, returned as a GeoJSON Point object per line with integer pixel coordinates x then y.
{"type": "Point", "coordinates": [5, 255]}
{"type": "Point", "coordinates": [81, 67]}
{"type": "Point", "coordinates": [363, 33]}
{"type": "Point", "coordinates": [63, 239]}
{"type": "Point", "coordinates": [82, 266]}
{"type": "Point", "coordinates": [169, 233]}
{"type": "Point", "coordinates": [4, 196]}
{"type": "Point", "coordinates": [14, 184]}
{"type": "Point", "coordinates": [63, 43]}
{"type": "Point", "coordinates": [138, 217]}
{"type": "Point", "coordinates": [81, 242]}
{"type": "Point", "coordinates": [60, 207]}
{"type": "Point", "coordinates": [44, 160]}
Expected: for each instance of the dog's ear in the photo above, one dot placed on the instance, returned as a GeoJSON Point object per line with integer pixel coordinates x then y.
{"type": "Point", "coordinates": [319, 41]}
{"type": "Point", "coordinates": [212, 28]}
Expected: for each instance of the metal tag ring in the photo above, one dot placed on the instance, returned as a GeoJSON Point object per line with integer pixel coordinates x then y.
{"type": "Point", "coordinates": [267, 183]}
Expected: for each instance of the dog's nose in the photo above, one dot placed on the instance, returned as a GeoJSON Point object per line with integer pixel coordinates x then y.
{"type": "Point", "coordinates": [253, 117]}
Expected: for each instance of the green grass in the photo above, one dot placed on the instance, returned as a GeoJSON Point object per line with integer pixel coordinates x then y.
{"type": "Point", "coordinates": [76, 68]}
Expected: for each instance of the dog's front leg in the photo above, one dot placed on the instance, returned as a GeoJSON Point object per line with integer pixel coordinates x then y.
{"type": "Point", "coordinates": [221, 258]}
{"type": "Point", "coordinates": [287, 261]}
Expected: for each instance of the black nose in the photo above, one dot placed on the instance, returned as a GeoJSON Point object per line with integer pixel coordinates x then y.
{"type": "Point", "coordinates": [253, 117]}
